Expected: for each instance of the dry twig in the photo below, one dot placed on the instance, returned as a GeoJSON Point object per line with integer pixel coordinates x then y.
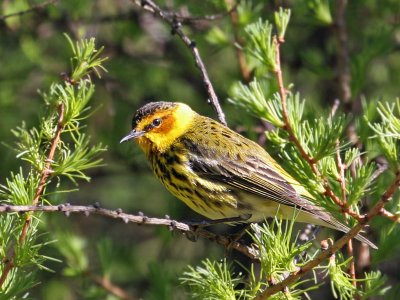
{"type": "Point", "coordinates": [33, 8]}
{"type": "Point", "coordinates": [185, 228]}
{"type": "Point", "coordinates": [176, 27]}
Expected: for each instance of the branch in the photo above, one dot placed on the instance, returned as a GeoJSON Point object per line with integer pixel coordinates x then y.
{"type": "Point", "coordinates": [193, 19]}
{"type": "Point", "coordinates": [288, 127]}
{"type": "Point", "coordinates": [33, 8]}
{"type": "Point", "coordinates": [191, 231]}
{"type": "Point", "coordinates": [273, 289]}
{"type": "Point", "coordinates": [342, 180]}
{"type": "Point", "coordinates": [171, 19]}
{"type": "Point", "coordinates": [39, 191]}
{"type": "Point", "coordinates": [285, 113]}
{"type": "Point", "coordinates": [110, 287]}
{"type": "Point", "coordinates": [389, 215]}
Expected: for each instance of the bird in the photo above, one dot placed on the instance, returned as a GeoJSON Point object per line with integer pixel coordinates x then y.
{"type": "Point", "coordinates": [219, 173]}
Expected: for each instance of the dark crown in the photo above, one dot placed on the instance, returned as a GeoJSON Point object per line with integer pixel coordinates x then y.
{"type": "Point", "coordinates": [149, 109]}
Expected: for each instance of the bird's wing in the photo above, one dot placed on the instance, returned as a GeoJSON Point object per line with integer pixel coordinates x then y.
{"type": "Point", "coordinates": [252, 173]}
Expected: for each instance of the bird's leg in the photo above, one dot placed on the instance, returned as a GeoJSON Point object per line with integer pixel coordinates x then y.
{"type": "Point", "coordinates": [306, 235]}
{"type": "Point", "coordinates": [238, 235]}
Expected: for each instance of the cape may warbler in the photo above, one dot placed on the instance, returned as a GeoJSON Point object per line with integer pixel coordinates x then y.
{"type": "Point", "coordinates": [219, 173]}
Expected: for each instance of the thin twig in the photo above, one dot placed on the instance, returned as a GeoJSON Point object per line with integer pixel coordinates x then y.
{"type": "Point", "coordinates": [336, 246]}
{"type": "Point", "coordinates": [341, 168]}
{"type": "Point", "coordinates": [187, 229]}
{"type": "Point", "coordinates": [379, 207]}
{"type": "Point", "coordinates": [110, 287]}
{"type": "Point", "coordinates": [33, 8]}
{"type": "Point", "coordinates": [193, 19]}
{"type": "Point", "coordinates": [39, 191]}
{"type": "Point", "coordinates": [335, 107]}
{"type": "Point", "coordinates": [176, 26]}
{"type": "Point", "coordinates": [342, 180]}
{"type": "Point", "coordinates": [352, 266]}
{"type": "Point", "coordinates": [343, 60]}
{"type": "Point", "coordinates": [389, 215]}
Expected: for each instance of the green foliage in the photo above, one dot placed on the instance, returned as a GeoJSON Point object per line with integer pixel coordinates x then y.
{"type": "Point", "coordinates": [212, 281]}
{"type": "Point", "coordinates": [341, 282]}
{"type": "Point", "coordinates": [359, 183]}
{"type": "Point", "coordinates": [253, 98]}
{"type": "Point", "coordinates": [320, 11]}
{"type": "Point", "coordinates": [320, 135]}
{"type": "Point", "coordinates": [86, 58]}
{"type": "Point", "coordinates": [374, 285]}
{"type": "Point", "coordinates": [388, 131]}
{"type": "Point", "coordinates": [278, 255]}
{"type": "Point", "coordinates": [277, 249]}
{"type": "Point", "coordinates": [77, 158]}
{"type": "Point", "coordinates": [73, 249]}
{"type": "Point", "coordinates": [262, 43]}
{"type": "Point", "coordinates": [282, 17]}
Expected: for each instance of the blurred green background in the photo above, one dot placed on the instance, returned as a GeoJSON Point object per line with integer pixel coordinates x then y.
{"type": "Point", "coordinates": [147, 63]}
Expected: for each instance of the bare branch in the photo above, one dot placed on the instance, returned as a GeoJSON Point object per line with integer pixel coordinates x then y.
{"type": "Point", "coordinates": [176, 26]}
{"type": "Point", "coordinates": [33, 8]}
{"type": "Point", "coordinates": [110, 287]}
{"type": "Point", "coordinates": [187, 229]}
{"type": "Point", "coordinates": [188, 19]}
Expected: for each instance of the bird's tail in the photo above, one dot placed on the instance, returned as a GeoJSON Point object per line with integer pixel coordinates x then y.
{"type": "Point", "coordinates": [341, 227]}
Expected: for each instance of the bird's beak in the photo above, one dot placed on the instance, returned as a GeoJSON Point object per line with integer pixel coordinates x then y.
{"type": "Point", "coordinates": [133, 135]}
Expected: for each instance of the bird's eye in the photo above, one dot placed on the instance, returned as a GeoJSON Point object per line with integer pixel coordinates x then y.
{"type": "Point", "coordinates": [156, 122]}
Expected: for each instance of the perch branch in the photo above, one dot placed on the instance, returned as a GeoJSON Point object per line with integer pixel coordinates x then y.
{"type": "Point", "coordinates": [191, 231]}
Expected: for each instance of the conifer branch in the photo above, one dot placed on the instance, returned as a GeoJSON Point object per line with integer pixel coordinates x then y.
{"type": "Point", "coordinates": [110, 287]}
{"type": "Point", "coordinates": [191, 231]}
{"type": "Point", "coordinates": [39, 191]}
{"type": "Point", "coordinates": [288, 127]}
{"type": "Point", "coordinates": [342, 180]}
{"type": "Point", "coordinates": [285, 113]}
{"type": "Point", "coordinates": [176, 27]}
{"type": "Point", "coordinates": [294, 276]}
{"type": "Point", "coordinates": [46, 170]}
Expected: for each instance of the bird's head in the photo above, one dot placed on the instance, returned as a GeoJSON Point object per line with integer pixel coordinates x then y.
{"type": "Point", "coordinates": [156, 125]}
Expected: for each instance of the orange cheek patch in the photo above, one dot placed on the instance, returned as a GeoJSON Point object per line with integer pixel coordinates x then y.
{"type": "Point", "coordinates": [166, 125]}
